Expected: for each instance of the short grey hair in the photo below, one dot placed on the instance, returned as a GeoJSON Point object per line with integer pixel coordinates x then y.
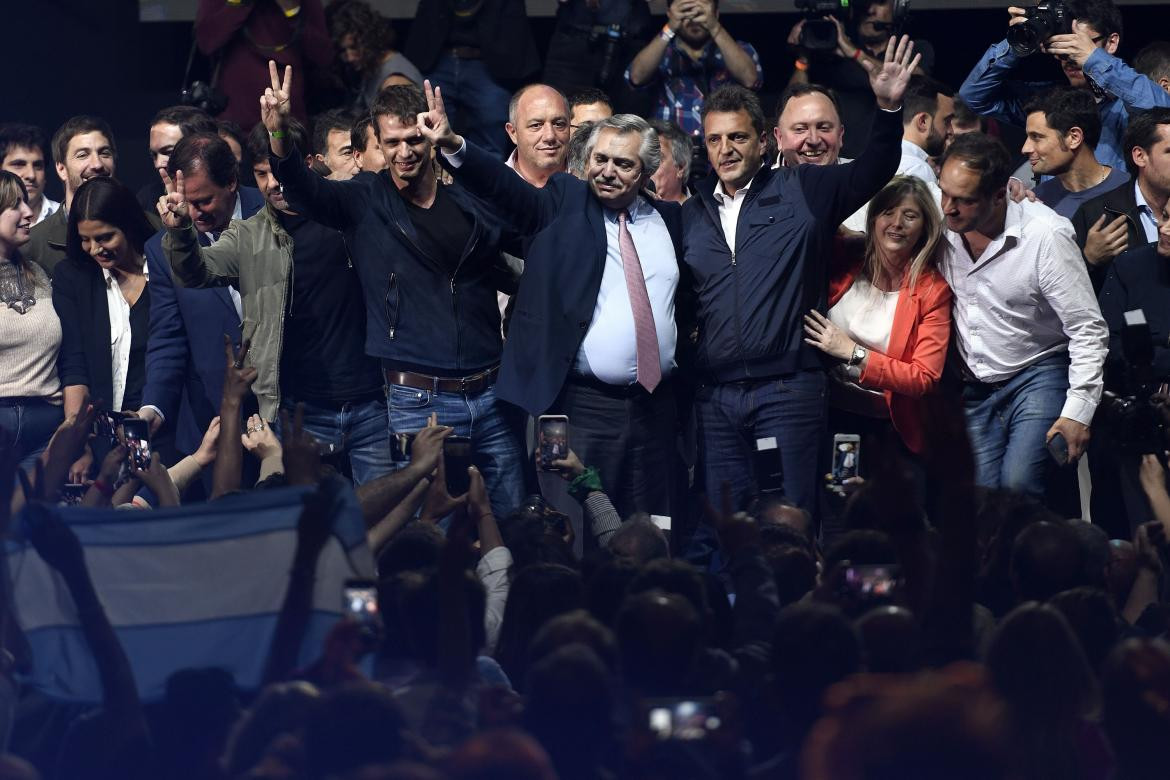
{"type": "Point", "coordinates": [577, 149]}
{"type": "Point", "coordinates": [514, 103]}
{"type": "Point", "coordinates": [649, 152]}
{"type": "Point", "coordinates": [681, 145]}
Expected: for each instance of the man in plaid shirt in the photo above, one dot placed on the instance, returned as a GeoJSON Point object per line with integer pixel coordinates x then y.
{"type": "Point", "coordinates": [693, 56]}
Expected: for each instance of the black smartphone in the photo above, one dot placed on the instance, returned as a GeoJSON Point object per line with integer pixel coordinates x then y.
{"type": "Point", "coordinates": [136, 435]}
{"type": "Point", "coordinates": [105, 426]}
{"type": "Point", "coordinates": [872, 582]}
{"type": "Point", "coordinates": [1058, 449]}
{"type": "Point", "coordinates": [846, 456]}
{"type": "Point", "coordinates": [72, 493]}
{"type": "Point", "coordinates": [456, 460]}
{"type": "Point", "coordinates": [682, 719]}
{"type": "Point", "coordinates": [400, 444]}
{"type": "Point", "coordinates": [359, 600]}
{"type": "Point", "coordinates": [552, 439]}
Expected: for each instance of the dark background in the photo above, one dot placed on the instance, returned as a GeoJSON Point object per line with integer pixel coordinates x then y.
{"type": "Point", "coordinates": [68, 57]}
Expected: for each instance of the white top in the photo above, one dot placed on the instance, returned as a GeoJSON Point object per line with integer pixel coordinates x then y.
{"type": "Point", "coordinates": [609, 351]}
{"type": "Point", "coordinates": [913, 163]}
{"type": "Point", "coordinates": [48, 207]}
{"type": "Point", "coordinates": [729, 208]}
{"type": "Point", "coordinates": [1148, 221]}
{"type": "Point", "coordinates": [1028, 297]}
{"type": "Point", "coordinates": [866, 314]}
{"type": "Point", "coordinates": [119, 334]}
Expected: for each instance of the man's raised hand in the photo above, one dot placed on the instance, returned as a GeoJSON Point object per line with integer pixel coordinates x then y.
{"type": "Point", "coordinates": [275, 106]}
{"type": "Point", "coordinates": [433, 124]}
{"type": "Point", "coordinates": [172, 207]}
{"type": "Point", "coordinates": [890, 79]}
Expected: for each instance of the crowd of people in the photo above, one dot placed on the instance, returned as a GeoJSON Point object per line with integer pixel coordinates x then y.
{"type": "Point", "coordinates": [689, 440]}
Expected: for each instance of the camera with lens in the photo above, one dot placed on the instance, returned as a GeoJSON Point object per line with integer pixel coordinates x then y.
{"type": "Point", "coordinates": [203, 96]}
{"type": "Point", "coordinates": [819, 33]}
{"type": "Point", "coordinates": [1129, 419]}
{"type": "Point", "coordinates": [608, 37]}
{"type": "Point", "coordinates": [1050, 17]}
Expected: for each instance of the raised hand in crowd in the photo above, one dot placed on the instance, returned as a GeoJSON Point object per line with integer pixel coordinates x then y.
{"type": "Point", "coordinates": [300, 451]}
{"type": "Point", "coordinates": [209, 446]}
{"type": "Point", "coordinates": [68, 457]}
{"type": "Point", "coordinates": [276, 107]}
{"type": "Point", "coordinates": [888, 79]}
{"type": "Point", "coordinates": [237, 382]}
{"type": "Point", "coordinates": [438, 503]}
{"type": "Point", "coordinates": [434, 125]}
{"type": "Point", "coordinates": [259, 439]}
{"type": "Point", "coordinates": [172, 206]}
{"type": "Point", "coordinates": [102, 489]}
{"type": "Point", "coordinates": [156, 477]}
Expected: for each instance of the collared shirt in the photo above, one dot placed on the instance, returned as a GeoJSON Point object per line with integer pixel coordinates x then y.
{"type": "Point", "coordinates": [913, 163]}
{"type": "Point", "coordinates": [609, 350]}
{"type": "Point", "coordinates": [729, 208]}
{"type": "Point", "coordinates": [48, 206]}
{"type": "Point", "coordinates": [684, 82]}
{"type": "Point", "coordinates": [1149, 222]}
{"type": "Point", "coordinates": [120, 335]}
{"type": "Point", "coordinates": [1028, 297]}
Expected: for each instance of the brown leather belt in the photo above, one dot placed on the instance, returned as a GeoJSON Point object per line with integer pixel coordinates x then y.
{"type": "Point", "coordinates": [467, 385]}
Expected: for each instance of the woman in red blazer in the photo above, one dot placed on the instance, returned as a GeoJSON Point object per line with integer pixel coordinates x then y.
{"type": "Point", "coordinates": [889, 311]}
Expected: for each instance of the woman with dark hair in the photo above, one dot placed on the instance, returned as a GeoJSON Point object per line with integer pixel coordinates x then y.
{"type": "Point", "coordinates": [30, 333]}
{"type": "Point", "coordinates": [889, 313]}
{"type": "Point", "coordinates": [365, 40]}
{"type": "Point", "coordinates": [103, 298]}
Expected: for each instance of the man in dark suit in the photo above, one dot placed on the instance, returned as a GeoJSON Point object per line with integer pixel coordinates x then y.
{"type": "Point", "coordinates": [184, 361]}
{"type": "Point", "coordinates": [594, 332]}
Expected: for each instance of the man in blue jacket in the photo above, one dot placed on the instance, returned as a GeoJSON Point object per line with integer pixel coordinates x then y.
{"type": "Point", "coordinates": [184, 358]}
{"type": "Point", "coordinates": [428, 259]}
{"type": "Point", "coordinates": [755, 241]}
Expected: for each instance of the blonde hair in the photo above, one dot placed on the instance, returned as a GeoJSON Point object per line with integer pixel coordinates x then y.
{"type": "Point", "coordinates": [926, 250]}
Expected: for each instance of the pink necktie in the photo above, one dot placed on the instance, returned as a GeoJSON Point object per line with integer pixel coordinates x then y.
{"type": "Point", "coordinates": [645, 335]}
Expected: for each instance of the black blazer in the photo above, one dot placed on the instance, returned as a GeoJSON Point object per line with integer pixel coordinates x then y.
{"type": "Point", "coordinates": [505, 37]}
{"type": "Point", "coordinates": [79, 296]}
{"type": "Point", "coordinates": [562, 275]}
{"type": "Point", "coordinates": [1118, 202]}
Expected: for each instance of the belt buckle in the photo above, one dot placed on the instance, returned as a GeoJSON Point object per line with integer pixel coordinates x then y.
{"type": "Point", "coordinates": [463, 385]}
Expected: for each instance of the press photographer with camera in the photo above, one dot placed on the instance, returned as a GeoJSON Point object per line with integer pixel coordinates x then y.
{"type": "Point", "coordinates": [693, 55]}
{"type": "Point", "coordinates": [1084, 36]}
{"type": "Point", "coordinates": [834, 40]}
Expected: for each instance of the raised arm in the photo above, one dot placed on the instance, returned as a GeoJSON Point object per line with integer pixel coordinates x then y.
{"type": "Point", "coordinates": [194, 266]}
{"type": "Point", "coordinates": [337, 204]}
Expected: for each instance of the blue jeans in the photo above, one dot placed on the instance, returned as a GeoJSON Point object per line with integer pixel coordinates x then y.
{"type": "Point", "coordinates": [476, 105]}
{"type": "Point", "coordinates": [30, 422]}
{"type": "Point", "coordinates": [1007, 423]}
{"type": "Point", "coordinates": [733, 416]}
{"type": "Point", "coordinates": [494, 429]}
{"type": "Point", "coordinates": [358, 430]}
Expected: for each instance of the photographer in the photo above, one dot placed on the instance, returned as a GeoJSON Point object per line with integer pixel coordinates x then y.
{"type": "Point", "coordinates": [693, 55]}
{"type": "Point", "coordinates": [861, 38]}
{"type": "Point", "coordinates": [592, 43]}
{"type": "Point", "coordinates": [1084, 36]}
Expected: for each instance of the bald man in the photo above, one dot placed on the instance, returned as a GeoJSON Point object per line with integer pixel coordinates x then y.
{"type": "Point", "coordinates": [538, 124]}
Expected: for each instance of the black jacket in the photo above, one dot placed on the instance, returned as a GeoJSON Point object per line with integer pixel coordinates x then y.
{"type": "Point", "coordinates": [752, 301]}
{"type": "Point", "coordinates": [505, 37]}
{"type": "Point", "coordinates": [415, 313]}
{"type": "Point", "coordinates": [1137, 279]}
{"type": "Point", "coordinates": [562, 275]}
{"type": "Point", "coordinates": [1113, 204]}
{"type": "Point", "coordinates": [79, 296]}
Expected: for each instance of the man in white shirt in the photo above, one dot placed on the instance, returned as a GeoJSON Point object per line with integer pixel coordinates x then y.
{"type": "Point", "coordinates": [22, 151]}
{"type": "Point", "coordinates": [1027, 328]}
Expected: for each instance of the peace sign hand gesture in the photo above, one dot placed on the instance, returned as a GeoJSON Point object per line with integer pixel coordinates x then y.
{"type": "Point", "coordinates": [433, 124]}
{"type": "Point", "coordinates": [275, 105]}
{"type": "Point", "coordinates": [890, 79]}
{"type": "Point", "coordinates": [172, 207]}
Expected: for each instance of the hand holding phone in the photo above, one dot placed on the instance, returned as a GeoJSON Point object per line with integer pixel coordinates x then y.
{"type": "Point", "coordinates": [136, 437]}
{"type": "Point", "coordinates": [552, 438]}
{"type": "Point", "coordinates": [846, 457]}
{"type": "Point", "coordinates": [1058, 449]}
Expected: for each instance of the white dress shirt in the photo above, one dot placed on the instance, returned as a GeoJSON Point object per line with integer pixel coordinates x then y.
{"type": "Point", "coordinates": [1026, 298]}
{"type": "Point", "coordinates": [913, 163]}
{"type": "Point", "coordinates": [729, 208]}
{"type": "Point", "coordinates": [48, 207]}
{"type": "Point", "coordinates": [1149, 221]}
{"type": "Point", "coordinates": [120, 335]}
{"type": "Point", "coordinates": [609, 351]}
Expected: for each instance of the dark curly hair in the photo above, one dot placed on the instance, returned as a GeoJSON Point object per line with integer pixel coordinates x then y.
{"type": "Point", "coordinates": [372, 33]}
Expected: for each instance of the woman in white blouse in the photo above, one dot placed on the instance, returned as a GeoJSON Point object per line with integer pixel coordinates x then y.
{"type": "Point", "coordinates": [30, 333]}
{"type": "Point", "coordinates": [101, 293]}
{"type": "Point", "coordinates": [889, 316]}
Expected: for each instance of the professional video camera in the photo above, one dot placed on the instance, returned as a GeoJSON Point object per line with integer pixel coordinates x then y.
{"type": "Point", "coordinates": [1129, 421]}
{"type": "Point", "coordinates": [820, 34]}
{"type": "Point", "coordinates": [609, 37]}
{"type": "Point", "coordinates": [1049, 18]}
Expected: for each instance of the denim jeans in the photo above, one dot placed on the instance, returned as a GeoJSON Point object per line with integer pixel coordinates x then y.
{"type": "Point", "coordinates": [31, 422]}
{"type": "Point", "coordinates": [1007, 424]}
{"type": "Point", "coordinates": [476, 105]}
{"type": "Point", "coordinates": [733, 416]}
{"type": "Point", "coordinates": [357, 430]}
{"type": "Point", "coordinates": [494, 429]}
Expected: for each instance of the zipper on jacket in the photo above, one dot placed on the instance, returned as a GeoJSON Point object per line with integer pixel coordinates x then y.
{"type": "Point", "coordinates": [392, 316]}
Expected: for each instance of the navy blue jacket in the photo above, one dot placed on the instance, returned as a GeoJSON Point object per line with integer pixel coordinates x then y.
{"type": "Point", "coordinates": [184, 357]}
{"type": "Point", "coordinates": [416, 314]}
{"type": "Point", "coordinates": [1137, 279]}
{"type": "Point", "coordinates": [751, 302]}
{"type": "Point", "coordinates": [562, 274]}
